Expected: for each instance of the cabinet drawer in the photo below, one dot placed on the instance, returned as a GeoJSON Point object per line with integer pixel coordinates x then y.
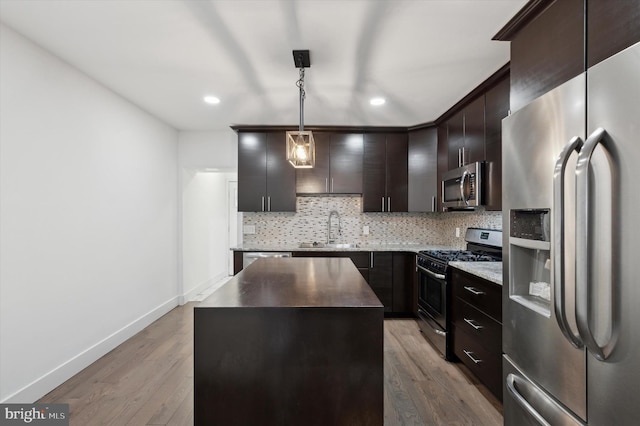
{"type": "Point", "coordinates": [487, 366]}
{"type": "Point", "coordinates": [484, 295]}
{"type": "Point", "coordinates": [477, 325]}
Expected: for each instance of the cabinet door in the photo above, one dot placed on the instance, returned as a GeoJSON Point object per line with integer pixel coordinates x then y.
{"type": "Point", "coordinates": [612, 26]}
{"type": "Point", "coordinates": [455, 139]}
{"type": "Point", "coordinates": [402, 283]}
{"type": "Point", "coordinates": [381, 278]}
{"type": "Point", "coordinates": [316, 179]}
{"type": "Point", "coordinates": [548, 51]}
{"type": "Point", "coordinates": [497, 108]}
{"type": "Point", "coordinates": [252, 165]}
{"type": "Point", "coordinates": [443, 159]}
{"type": "Point", "coordinates": [397, 172]}
{"type": "Point", "coordinates": [423, 170]}
{"type": "Point", "coordinates": [474, 132]}
{"type": "Point", "coordinates": [346, 163]}
{"type": "Point", "coordinates": [374, 173]}
{"type": "Point", "coordinates": [281, 176]}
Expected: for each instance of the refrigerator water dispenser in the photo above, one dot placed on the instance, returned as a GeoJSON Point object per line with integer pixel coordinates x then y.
{"type": "Point", "coordinates": [530, 254]}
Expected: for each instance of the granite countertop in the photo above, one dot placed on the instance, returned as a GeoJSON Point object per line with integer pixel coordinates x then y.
{"type": "Point", "coordinates": [413, 248]}
{"type": "Point", "coordinates": [490, 271]}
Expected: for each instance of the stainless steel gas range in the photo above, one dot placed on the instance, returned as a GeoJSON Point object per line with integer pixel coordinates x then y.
{"type": "Point", "coordinates": [434, 291]}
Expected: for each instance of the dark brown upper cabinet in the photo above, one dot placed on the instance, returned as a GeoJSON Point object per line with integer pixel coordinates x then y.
{"type": "Point", "coordinates": [474, 149]}
{"type": "Point", "coordinates": [266, 180]}
{"type": "Point", "coordinates": [338, 168]}
{"type": "Point", "coordinates": [385, 173]}
{"type": "Point", "coordinates": [465, 138]}
{"type": "Point", "coordinates": [612, 26]}
{"type": "Point", "coordinates": [455, 140]}
{"type": "Point", "coordinates": [423, 170]}
{"type": "Point", "coordinates": [496, 108]}
{"type": "Point", "coordinates": [554, 41]}
{"type": "Point", "coordinates": [443, 159]}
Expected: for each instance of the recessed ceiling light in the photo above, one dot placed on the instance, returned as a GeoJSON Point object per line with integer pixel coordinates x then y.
{"type": "Point", "coordinates": [377, 101]}
{"type": "Point", "coordinates": [211, 100]}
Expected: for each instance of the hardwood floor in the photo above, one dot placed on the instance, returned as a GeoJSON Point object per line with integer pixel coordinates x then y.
{"type": "Point", "coordinates": [148, 380]}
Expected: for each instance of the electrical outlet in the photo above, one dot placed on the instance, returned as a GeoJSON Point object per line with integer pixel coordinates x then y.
{"type": "Point", "coordinates": [365, 230]}
{"type": "Point", "coordinates": [457, 232]}
{"type": "Point", "coordinates": [249, 229]}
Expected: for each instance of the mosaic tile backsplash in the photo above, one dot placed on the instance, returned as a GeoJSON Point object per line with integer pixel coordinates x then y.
{"type": "Point", "coordinates": [309, 224]}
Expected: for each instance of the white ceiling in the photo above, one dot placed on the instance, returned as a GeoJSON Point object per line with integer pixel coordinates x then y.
{"type": "Point", "coordinates": [164, 55]}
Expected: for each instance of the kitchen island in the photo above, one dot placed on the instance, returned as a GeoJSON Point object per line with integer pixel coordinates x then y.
{"type": "Point", "coordinates": [290, 341]}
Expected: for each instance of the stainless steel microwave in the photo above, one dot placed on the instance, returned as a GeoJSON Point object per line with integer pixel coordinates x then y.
{"type": "Point", "coordinates": [462, 188]}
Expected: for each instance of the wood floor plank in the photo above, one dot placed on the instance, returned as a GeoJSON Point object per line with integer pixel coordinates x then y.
{"type": "Point", "coordinates": [148, 380]}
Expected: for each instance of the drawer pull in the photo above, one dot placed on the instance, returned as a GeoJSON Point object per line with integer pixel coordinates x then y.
{"type": "Point", "coordinates": [469, 354]}
{"type": "Point", "coordinates": [473, 324]}
{"type": "Point", "coordinates": [474, 291]}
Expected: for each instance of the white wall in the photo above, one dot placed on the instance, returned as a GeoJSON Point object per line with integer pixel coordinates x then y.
{"type": "Point", "coordinates": [205, 236]}
{"type": "Point", "coordinates": [88, 217]}
{"type": "Point", "coordinates": [208, 162]}
{"type": "Point", "coordinates": [200, 150]}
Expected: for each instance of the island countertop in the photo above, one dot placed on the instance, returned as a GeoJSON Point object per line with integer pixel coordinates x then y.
{"type": "Point", "coordinates": [295, 282]}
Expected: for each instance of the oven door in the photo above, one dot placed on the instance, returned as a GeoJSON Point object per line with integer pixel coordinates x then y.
{"type": "Point", "coordinates": [432, 309]}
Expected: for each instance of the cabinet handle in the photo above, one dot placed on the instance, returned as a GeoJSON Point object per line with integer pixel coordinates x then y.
{"type": "Point", "coordinates": [371, 260]}
{"type": "Point", "coordinates": [470, 355]}
{"type": "Point", "coordinates": [389, 204]}
{"type": "Point", "coordinates": [332, 185]}
{"type": "Point", "coordinates": [459, 158]}
{"type": "Point", "coordinates": [326, 184]}
{"type": "Point", "coordinates": [473, 324]}
{"type": "Point", "coordinates": [382, 205]}
{"type": "Point", "coordinates": [269, 203]}
{"type": "Point", "coordinates": [463, 158]}
{"type": "Point", "coordinates": [474, 291]}
{"type": "Point", "coordinates": [263, 203]}
{"type": "Point", "coordinates": [433, 204]}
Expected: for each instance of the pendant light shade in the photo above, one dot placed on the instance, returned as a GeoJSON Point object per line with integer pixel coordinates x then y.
{"type": "Point", "coordinates": [301, 148]}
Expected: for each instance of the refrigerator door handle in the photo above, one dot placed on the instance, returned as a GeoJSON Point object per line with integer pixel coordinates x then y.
{"type": "Point", "coordinates": [583, 243]}
{"type": "Point", "coordinates": [558, 414]}
{"type": "Point", "coordinates": [575, 144]}
{"type": "Point", "coordinates": [511, 387]}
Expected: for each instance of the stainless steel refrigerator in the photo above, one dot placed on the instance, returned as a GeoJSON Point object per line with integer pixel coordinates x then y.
{"type": "Point", "coordinates": [571, 241]}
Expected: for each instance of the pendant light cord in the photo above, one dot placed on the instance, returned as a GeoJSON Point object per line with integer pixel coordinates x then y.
{"type": "Point", "coordinates": [300, 84]}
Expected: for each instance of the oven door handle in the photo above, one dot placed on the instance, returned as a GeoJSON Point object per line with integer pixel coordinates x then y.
{"type": "Point", "coordinates": [432, 274]}
{"type": "Point", "coordinates": [422, 314]}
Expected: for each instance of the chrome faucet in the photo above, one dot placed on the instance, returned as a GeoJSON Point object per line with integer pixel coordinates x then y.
{"type": "Point", "coordinates": [333, 212]}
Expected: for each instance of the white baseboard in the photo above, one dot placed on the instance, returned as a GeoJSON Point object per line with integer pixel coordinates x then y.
{"type": "Point", "coordinates": [45, 384]}
{"type": "Point", "coordinates": [191, 294]}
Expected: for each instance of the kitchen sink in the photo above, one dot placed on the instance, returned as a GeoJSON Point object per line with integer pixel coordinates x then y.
{"type": "Point", "coordinates": [329, 245]}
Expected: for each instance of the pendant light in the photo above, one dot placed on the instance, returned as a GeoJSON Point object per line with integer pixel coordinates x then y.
{"type": "Point", "coordinates": [301, 148]}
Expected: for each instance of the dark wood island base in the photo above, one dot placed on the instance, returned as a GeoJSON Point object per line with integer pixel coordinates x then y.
{"type": "Point", "coordinates": [290, 342]}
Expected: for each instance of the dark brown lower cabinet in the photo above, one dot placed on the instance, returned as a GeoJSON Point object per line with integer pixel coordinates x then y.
{"type": "Point", "coordinates": [381, 277]}
{"type": "Point", "coordinates": [403, 267]}
{"type": "Point", "coordinates": [477, 328]}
